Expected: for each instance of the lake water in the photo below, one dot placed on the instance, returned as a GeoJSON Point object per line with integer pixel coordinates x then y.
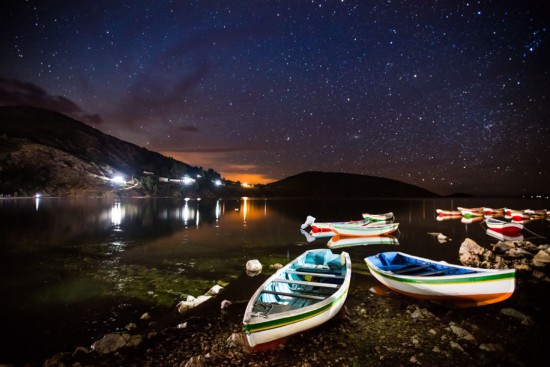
{"type": "Point", "coordinates": [75, 269]}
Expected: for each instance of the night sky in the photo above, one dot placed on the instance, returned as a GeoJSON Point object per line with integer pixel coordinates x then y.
{"type": "Point", "coordinates": [452, 96]}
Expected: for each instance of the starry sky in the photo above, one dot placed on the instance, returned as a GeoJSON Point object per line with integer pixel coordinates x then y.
{"type": "Point", "coordinates": [452, 96]}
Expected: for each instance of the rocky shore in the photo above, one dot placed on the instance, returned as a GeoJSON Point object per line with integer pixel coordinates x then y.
{"type": "Point", "coordinates": [377, 327]}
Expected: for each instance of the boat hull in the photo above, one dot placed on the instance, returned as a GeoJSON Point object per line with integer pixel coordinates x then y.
{"type": "Point", "coordinates": [263, 329]}
{"type": "Point", "coordinates": [465, 290]}
{"type": "Point", "coordinates": [364, 231]}
{"type": "Point", "coordinates": [267, 332]}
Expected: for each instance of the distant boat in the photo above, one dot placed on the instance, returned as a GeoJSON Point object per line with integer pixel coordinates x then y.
{"type": "Point", "coordinates": [304, 294]}
{"type": "Point", "coordinates": [460, 286]}
{"type": "Point", "coordinates": [371, 229]}
{"type": "Point", "coordinates": [448, 213]}
{"type": "Point", "coordinates": [471, 212]}
{"type": "Point", "coordinates": [514, 214]}
{"type": "Point", "coordinates": [507, 228]}
{"type": "Point", "coordinates": [490, 212]}
{"type": "Point", "coordinates": [339, 242]}
{"type": "Point", "coordinates": [323, 229]}
{"type": "Point", "coordinates": [379, 217]}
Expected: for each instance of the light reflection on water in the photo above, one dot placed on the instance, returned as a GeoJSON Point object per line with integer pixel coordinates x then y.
{"type": "Point", "coordinates": [81, 253]}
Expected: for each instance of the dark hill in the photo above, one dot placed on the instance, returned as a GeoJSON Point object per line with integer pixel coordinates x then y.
{"type": "Point", "coordinates": [42, 150]}
{"type": "Point", "coordinates": [330, 184]}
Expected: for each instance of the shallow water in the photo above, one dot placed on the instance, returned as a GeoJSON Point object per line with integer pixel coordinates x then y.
{"type": "Point", "coordinates": [74, 269]}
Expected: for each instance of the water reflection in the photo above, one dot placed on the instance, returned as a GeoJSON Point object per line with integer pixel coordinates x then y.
{"type": "Point", "coordinates": [117, 215]}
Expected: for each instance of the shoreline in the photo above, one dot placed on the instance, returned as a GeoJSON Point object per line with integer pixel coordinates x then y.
{"type": "Point", "coordinates": [376, 327]}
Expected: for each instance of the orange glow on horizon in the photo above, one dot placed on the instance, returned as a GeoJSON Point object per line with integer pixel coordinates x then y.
{"type": "Point", "coordinates": [219, 162]}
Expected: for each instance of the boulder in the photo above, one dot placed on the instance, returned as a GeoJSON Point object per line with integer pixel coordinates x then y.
{"type": "Point", "coordinates": [253, 266]}
{"type": "Point", "coordinates": [472, 254]}
{"type": "Point", "coordinates": [541, 259]}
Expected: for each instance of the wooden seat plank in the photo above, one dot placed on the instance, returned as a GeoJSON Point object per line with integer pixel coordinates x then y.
{"type": "Point", "coordinates": [303, 282]}
{"type": "Point", "coordinates": [296, 295]}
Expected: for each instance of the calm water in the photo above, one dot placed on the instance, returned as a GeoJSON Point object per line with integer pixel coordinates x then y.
{"type": "Point", "coordinates": [74, 269]}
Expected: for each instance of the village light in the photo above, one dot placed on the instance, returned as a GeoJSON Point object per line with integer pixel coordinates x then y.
{"type": "Point", "coordinates": [218, 182]}
{"type": "Point", "coordinates": [119, 180]}
{"type": "Point", "coordinates": [187, 180]}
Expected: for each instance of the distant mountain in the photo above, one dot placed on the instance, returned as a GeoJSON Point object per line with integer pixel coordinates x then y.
{"type": "Point", "coordinates": [42, 150]}
{"type": "Point", "coordinates": [332, 184]}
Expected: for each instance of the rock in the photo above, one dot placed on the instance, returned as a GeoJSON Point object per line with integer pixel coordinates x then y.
{"type": "Point", "coordinates": [145, 316]}
{"type": "Point", "coordinates": [517, 253]}
{"type": "Point", "coordinates": [541, 259]}
{"type": "Point", "coordinates": [81, 350]}
{"type": "Point", "coordinates": [421, 314]}
{"type": "Point", "coordinates": [471, 253]}
{"type": "Point", "coordinates": [253, 266]}
{"type": "Point", "coordinates": [110, 343]}
{"type": "Point", "coordinates": [183, 325]}
{"type": "Point", "coordinates": [191, 302]}
{"type": "Point", "coordinates": [225, 304]}
{"type": "Point", "coordinates": [442, 238]}
{"type": "Point", "coordinates": [455, 345]}
{"type": "Point", "coordinates": [55, 361]}
{"type": "Point", "coordinates": [214, 290]}
{"type": "Point", "coordinates": [463, 334]}
{"type": "Point", "coordinates": [195, 361]}
{"type": "Point", "coordinates": [131, 326]}
{"type": "Point", "coordinates": [525, 320]}
{"type": "Point", "coordinates": [502, 247]}
{"type": "Point", "coordinates": [276, 266]}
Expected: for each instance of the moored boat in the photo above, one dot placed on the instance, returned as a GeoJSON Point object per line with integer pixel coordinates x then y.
{"type": "Point", "coordinates": [471, 212]}
{"type": "Point", "coordinates": [304, 294]}
{"type": "Point", "coordinates": [459, 286]}
{"type": "Point", "coordinates": [379, 217]}
{"type": "Point", "coordinates": [504, 237]}
{"type": "Point", "coordinates": [514, 214]}
{"type": "Point", "coordinates": [508, 228]}
{"type": "Point", "coordinates": [491, 212]}
{"type": "Point", "coordinates": [323, 229]}
{"type": "Point", "coordinates": [371, 229]}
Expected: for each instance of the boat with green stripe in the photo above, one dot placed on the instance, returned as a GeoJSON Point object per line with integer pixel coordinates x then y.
{"type": "Point", "coordinates": [304, 294]}
{"type": "Point", "coordinates": [459, 286]}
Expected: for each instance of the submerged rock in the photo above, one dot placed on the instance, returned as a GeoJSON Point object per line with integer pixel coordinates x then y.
{"type": "Point", "coordinates": [253, 266]}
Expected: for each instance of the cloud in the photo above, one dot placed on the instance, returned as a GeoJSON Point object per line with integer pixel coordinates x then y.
{"type": "Point", "coordinates": [15, 92]}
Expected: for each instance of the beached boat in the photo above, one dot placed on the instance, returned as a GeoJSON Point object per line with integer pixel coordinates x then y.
{"type": "Point", "coordinates": [304, 294]}
{"type": "Point", "coordinates": [339, 242]}
{"type": "Point", "coordinates": [448, 213]}
{"type": "Point", "coordinates": [460, 286]}
{"type": "Point", "coordinates": [508, 228]}
{"type": "Point", "coordinates": [379, 217]}
{"type": "Point", "coordinates": [323, 229]}
{"type": "Point", "coordinates": [491, 212]}
{"type": "Point", "coordinates": [371, 229]}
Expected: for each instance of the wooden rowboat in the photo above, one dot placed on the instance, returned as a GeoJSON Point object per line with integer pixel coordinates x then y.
{"type": "Point", "coordinates": [379, 217]}
{"type": "Point", "coordinates": [371, 229]}
{"type": "Point", "coordinates": [304, 294]}
{"type": "Point", "coordinates": [459, 286]}
{"type": "Point", "coordinates": [507, 228]}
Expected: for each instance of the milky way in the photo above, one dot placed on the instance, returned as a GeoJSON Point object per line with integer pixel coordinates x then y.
{"type": "Point", "coordinates": [451, 96]}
